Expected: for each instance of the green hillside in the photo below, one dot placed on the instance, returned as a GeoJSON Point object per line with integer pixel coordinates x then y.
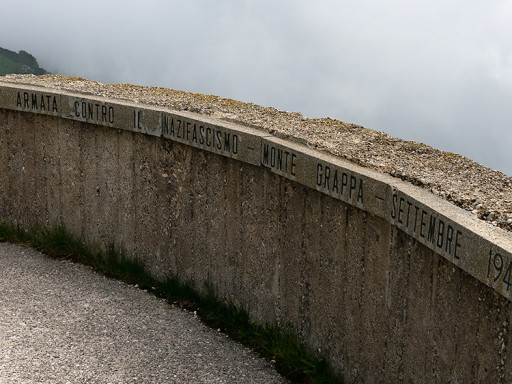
{"type": "Point", "coordinates": [21, 62]}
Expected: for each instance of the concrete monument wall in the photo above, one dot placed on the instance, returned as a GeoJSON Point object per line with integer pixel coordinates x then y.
{"type": "Point", "coordinates": [389, 282]}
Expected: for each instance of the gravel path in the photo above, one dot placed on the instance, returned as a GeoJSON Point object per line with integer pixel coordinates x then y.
{"type": "Point", "coordinates": [62, 323]}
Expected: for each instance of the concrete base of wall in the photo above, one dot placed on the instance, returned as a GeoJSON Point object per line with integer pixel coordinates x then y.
{"type": "Point", "coordinates": [381, 306]}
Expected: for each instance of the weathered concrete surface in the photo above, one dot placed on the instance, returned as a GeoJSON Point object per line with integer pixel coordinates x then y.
{"type": "Point", "coordinates": [357, 280]}
{"type": "Point", "coordinates": [477, 247]}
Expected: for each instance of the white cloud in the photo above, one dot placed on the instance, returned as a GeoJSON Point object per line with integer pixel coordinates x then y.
{"type": "Point", "coordinates": [500, 66]}
{"type": "Point", "coordinates": [432, 71]}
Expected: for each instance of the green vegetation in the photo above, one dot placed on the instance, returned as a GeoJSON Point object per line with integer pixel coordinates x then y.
{"type": "Point", "coordinates": [21, 62]}
{"type": "Point", "coordinates": [292, 359]}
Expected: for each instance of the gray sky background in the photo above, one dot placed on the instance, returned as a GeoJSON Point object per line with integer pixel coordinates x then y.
{"type": "Point", "coordinates": [431, 71]}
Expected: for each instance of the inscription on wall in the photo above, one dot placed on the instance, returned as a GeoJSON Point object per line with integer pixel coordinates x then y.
{"type": "Point", "coordinates": [201, 135]}
{"type": "Point", "coordinates": [425, 225]}
{"type": "Point", "coordinates": [339, 183]}
{"type": "Point", "coordinates": [94, 112]}
{"type": "Point", "coordinates": [279, 159]}
{"type": "Point", "coordinates": [499, 270]}
{"type": "Point", "coordinates": [37, 102]}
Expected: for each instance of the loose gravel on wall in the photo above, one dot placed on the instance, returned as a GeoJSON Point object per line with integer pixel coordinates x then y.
{"type": "Point", "coordinates": [483, 191]}
{"type": "Point", "coordinates": [62, 323]}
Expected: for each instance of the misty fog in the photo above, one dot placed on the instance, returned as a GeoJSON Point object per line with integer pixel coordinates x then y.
{"type": "Point", "coordinates": [430, 71]}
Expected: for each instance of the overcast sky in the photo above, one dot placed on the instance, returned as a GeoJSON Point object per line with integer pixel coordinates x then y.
{"type": "Point", "coordinates": [432, 71]}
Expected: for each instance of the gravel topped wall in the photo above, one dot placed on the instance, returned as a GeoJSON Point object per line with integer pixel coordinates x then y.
{"type": "Point", "coordinates": [304, 221]}
{"type": "Point", "coordinates": [484, 192]}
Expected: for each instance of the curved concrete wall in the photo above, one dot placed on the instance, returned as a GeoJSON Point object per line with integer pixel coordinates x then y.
{"type": "Point", "coordinates": [391, 283]}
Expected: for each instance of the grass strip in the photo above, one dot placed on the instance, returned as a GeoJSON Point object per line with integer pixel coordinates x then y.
{"type": "Point", "coordinates": [292, 359]}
